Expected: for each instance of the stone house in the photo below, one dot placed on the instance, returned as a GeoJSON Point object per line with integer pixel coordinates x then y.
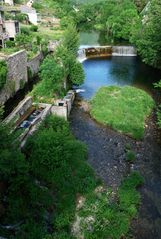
{"type": "Point", "coordinates": [9, 2]}
{"type": "Point", "coordinates": [3, 34]}
{"type": "Point", "coordinates": [8, 28]}
{"type": "Point", "coordinates": [12, 28]}
{"type": "Point", "coordinates": [31, 13]}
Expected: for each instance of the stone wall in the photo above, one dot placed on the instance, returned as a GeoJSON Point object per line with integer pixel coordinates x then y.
{"type": "Point", "coordinates": [34, 63]}
{"type": "Point", "coordinates": [16, 76]}
{"type": "Point", "coordinates": [22, 107]}
{"type": "Point", "coordinates": [63, 107]}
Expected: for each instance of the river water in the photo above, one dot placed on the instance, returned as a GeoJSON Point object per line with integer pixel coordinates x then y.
{"type": "Point", "coordinates": [119, 71]}
{"type": "Point", "coordinates": [106, 148]}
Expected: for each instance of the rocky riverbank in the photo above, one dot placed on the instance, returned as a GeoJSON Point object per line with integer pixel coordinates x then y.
{"type": "Point", "coordinates": [107, 155]}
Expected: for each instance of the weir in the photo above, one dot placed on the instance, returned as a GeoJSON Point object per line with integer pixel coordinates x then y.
{"type": "Point", "coordinates": [85, 52]}
{"type": "Point", "coordinates": [123, 51]}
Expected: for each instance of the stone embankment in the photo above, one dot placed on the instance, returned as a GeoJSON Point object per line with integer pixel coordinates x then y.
{"type": "Point", "coordinates": [18, 75]}
{"type": "Point", "coordinates": [28, 115]}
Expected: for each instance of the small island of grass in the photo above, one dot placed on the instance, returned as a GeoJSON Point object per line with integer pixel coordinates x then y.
{"type": "Point", "coordinates": [123, 108]}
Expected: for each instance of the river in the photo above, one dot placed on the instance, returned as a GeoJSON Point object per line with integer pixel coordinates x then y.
{"type": "Point", "coordinates": [106, 148]}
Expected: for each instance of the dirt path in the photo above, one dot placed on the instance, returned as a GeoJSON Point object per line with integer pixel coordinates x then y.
{"type": "Point", "coordinates": [106, 154]}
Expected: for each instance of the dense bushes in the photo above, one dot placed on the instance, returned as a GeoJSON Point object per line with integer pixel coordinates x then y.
{"type": "Point", "coordinates": [146, 35]}
{"type": "Point", "coordinates": [3, 73]}
{"type": "Point", "coordinates": [57, 160]}
{"type": "Point", "coordinates": [48, 176]}
{"type": "Point", "coordinates": [22, 200]}
{"type": "Point", "coordinates": [60, 67]}
{"type": "Point", "coordinates": [51, 85]}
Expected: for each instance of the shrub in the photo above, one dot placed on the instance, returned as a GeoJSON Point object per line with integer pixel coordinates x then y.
{"type": "Point", "coordinates": [128, 196]}
{"type": "Point", "coordinates": [34, 28]}
{"type": "Point", "coordinates": [25, 30]}
{"type": "Point", "coordinates": [21, 17]}
{"type": "Point", "coordinates": [130, 156]}
{"type": "Point", "coordinates": [10, 44]}
{"type": "Point", "coordinates": [58, 159]}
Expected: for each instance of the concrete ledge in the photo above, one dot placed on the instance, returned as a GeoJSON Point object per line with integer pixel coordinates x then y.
{"type": "Point", "coordinates": [22, 107]}
{"type": "Point", "coordinates": [63, 107]}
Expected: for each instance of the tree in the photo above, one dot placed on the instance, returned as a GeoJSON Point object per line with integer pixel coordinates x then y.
{"type": "Point", "coordinates": [73, 69]}
{"type": "Point", "coordinates": [23, 40]}
{"type": "Point", "coordinates": [52, 79]}
{"type": "Point", "coordinates": [76, 75]}
{"type": "Point", "coordinates": [21, 198]}
{"type": "Point", "coordinates": [147, 36]}
{"type": "Point", "coordinates": [140, 4]}
{"type": "Point", "coordinates": [71, 39]}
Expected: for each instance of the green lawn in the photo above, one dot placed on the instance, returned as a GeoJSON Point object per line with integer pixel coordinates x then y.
{"type": "Point", "coordinates": [123, 108]}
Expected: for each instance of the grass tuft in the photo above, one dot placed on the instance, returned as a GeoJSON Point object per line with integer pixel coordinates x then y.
{"type": "Point", "coordinates": [103, 217]}
{"type": "Point", "coordinates": [123, 108]}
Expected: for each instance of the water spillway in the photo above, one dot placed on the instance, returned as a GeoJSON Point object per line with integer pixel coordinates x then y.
{"type": "Point", "coordinates": [123, 51]}
{"type": "Point", "coordinates": [104, 51]}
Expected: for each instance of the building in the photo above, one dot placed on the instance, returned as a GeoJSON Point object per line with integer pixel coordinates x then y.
{"type": "Point", "coordinates": [9, 2]}
{"type": "Point", "coordinates": [29, 4]}
{"type": "Point", "coordinates": [31, 12]}
{"type": "Point", "coordinates": [3, 35]}
{"type": "Point", "coordinates": [12, 28]}
{"type": "Point", "coordinates": [8, 29]}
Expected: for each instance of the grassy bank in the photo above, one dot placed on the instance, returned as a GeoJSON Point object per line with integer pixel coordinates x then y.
{"type": "Point", "coordinates": [123, 108]}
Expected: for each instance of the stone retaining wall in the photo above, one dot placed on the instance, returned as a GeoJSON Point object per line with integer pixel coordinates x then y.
{"type": "Point", "coordinates": [22, 107]}
{"type": "Point", "coordinates": [16, 76]}
{"type": "Point", "coordinates": [34, 63]}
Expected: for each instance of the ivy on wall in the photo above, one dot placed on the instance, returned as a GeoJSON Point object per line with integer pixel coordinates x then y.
{"type": "Point", "coordinates": [3, 73]}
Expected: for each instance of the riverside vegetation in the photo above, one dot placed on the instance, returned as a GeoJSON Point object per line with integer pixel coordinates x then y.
{"type": "Point", "coordinates": [41, 186]}
{"type": "Point", "coordinates": [60, 68]}
{"type": "Point", "coordinates": [137, 22]}
{"type": "Point", "coordinates": [123, 108]}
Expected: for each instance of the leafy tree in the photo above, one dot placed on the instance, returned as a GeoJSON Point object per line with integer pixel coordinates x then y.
{"type": "Point", "coordinates": [71, 39]}
{"type": "Point", "coordinates": [73, 69]}
{"type": "Point", "coordinates": [76, 75]}
{"type": "Point", "coordinates": [147, 35]}
{"type": "Point", "coordinates": [52, 79]}
{"type": "Point", "coordinates": [140, 4]}
{"type": "Point", "coordinates": [58, 160]}
{"type": "Point", "coordinates": [117, 18]}
{"type": "Point", "coordinates": [21, 198]}
{"type": "Point", "coordinates": [24, 40]}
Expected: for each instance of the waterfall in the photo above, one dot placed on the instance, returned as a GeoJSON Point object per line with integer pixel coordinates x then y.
{"type": "Point", "coordinates": [81, 56]}
{"type": "Point", "coordinates": [123, 51]}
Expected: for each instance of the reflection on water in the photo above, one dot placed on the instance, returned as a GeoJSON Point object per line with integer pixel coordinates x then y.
{"type": "Point", "coordinates": [94, 38]}
{"type": "Point", "coordinates": [117, 71]}
{"type": "Point", "coordinates": [89, 38]}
